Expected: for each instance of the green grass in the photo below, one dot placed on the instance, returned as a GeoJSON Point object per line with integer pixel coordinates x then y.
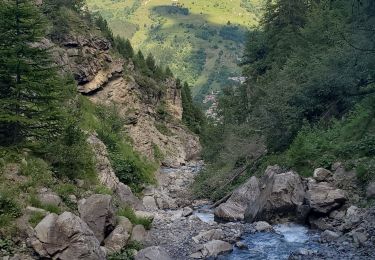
{"type": "Point", "coordinates": [128, 212]}
{"type": "Point", "coordinates": [35, 218]}
{"type": "Point", "coordinates": [197, 44]}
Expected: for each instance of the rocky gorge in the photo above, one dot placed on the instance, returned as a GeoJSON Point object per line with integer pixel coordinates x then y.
{"type": "Point", "coordinates": [277, 214]}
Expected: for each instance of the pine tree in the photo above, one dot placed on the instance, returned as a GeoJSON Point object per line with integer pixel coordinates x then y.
{"type": "Point", "coordinates": [30, 88]}
{"type": "Point", "coordinates": [150, 62]}
{"type": "Point", "coordinates": [124, 47]}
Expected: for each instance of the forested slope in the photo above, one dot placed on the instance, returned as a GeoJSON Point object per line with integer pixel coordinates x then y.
{"type": "Point", "coordinates": [309, 95]}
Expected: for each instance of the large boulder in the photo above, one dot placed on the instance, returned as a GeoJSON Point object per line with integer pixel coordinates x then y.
{"type": "Point", "coordinates": [321, 174]}
{"type": "Point", "coordinates": [49, 198]}
{"type": "Point", "coordinates": [66, 237]}
{"type": "Point", "coordinates": [98, 212]}
{"type": "Point", "coordinates": [234, 208]}
{"type": "Point", "coordinates": [281, 194]}
{"type": "Point", "coordinates": [139, 234]}
{"type": "Point", "coordinates": [322, 198]}
{"type": "Point", "coordinates": [117, 239]}
{"type": "Point", "coordinates": [153, 253]}
{"type": "Point", "coordinates": [212, 249]}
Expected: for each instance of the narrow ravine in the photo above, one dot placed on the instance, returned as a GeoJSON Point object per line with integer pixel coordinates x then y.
{"type": "Point", "coordinates": [187, 228]}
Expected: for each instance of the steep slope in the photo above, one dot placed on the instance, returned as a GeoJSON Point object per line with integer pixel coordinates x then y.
{"type": "Point", "coordinates": [109, 80]}
{"type": "Point", "coordinates": [201, 41]}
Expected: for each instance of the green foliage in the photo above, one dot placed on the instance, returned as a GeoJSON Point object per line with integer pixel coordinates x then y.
{"type": "Point", "coordinates": [127, 253]}
{"type": "Point", "coordinates": [192, 116]}
{"type": "Point", "coordinates": [104, 28]}
{"type": "Point", "coordinates": [124, 47]}
{"type": "Point", "coordinates": [158, 154]}
{"type": "Point", "coordinates": [31, 90]}
{"type": "Point", "coordinates": [35, 218]}
{"type": "Point", "coordinates": [163, 129]}
{"type": "Point", "coordinates": [309, 92]}
{"type": "Point", "coordinates": [129, 166]}
{"type": "Point", "coordinates": [128, 212]}
{"type": "Point", "coordinates": [9, 209]}
{"type": "Point", "coordinates": [6, 247]}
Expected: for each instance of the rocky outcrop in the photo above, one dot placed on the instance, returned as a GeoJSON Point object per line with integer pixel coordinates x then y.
{"type": "Point", "coordinates": [234, 208]}
{"type": "Point", "coordinates": [322, 198]}
{"type": "Point", "coordinates": [281, 194]}
{"type": "Point", "coordinates": [102, 78]}
{"type": "Point", "coordinates": [98, 212]}
{"type": "Point", "coordinates": [66, 237]}
{"type": "Point", "coordinates": [153, 253]}
{"type": "Point", "coordinates": [177, 144]}
{"type": "Point", "coordinates": [107, 176]}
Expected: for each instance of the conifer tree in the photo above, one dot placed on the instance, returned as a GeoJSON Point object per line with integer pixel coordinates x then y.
{"type": "Point", "coordinates": [150, 62]}
{"type": "Point", "coordinates": [30, 88]}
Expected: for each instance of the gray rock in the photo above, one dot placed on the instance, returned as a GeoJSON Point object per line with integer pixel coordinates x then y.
{"type": "Point", "coordinates": [153, 253]}
{"type": "Point", "coordinates": [66, 237]}
{"type": "Point", "coordinates": [213, 234]}
{"type": "Point", "coordinates": [234, 208]}
{"type": "Point", "coordinates": [98, 212]}
{"type": "Point", "coordinates": [323, 198]}
{"type": "Point", "coordinates": [321, 174]}
{"type": "Point", "coordinates": [125, 223]}
{"type": "Point", "coordinates": [353, 216]}
{"type": "Point", "coordinates": [117, 239]}
{"type": "Point", "coordinates": [281, 193]}
{"type": "Point", "coordinates": [370, 190]}
{"type": "Point", "coordinates": [127, 197]}
{"type": "Point", "coordinates": [359, 236]}
{"type": "Point", "coordinates": [139, 234]}
{"type": "Point", "coordinates": [212, 249]}
{"type": "Point", "coordinates": [149, 203]}
{"type": "Point", "coordinates": [241, 245]}
{"type": "Point", "coordinates": [329, 236]}
{"type": "Point", "coordinates": [50, 198]}
{"type": "Point", "coordinates": [187, 212]}
{"type": "Point", "coordinates": [261, 226]}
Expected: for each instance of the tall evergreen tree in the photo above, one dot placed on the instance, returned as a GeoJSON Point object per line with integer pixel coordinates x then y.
{"type": "Point", "coordinates": [30, 89]}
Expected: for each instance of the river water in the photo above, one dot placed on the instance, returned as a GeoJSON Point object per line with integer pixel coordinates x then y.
{"type": "Point", "coordinates": [286, 239]}
{"type": "Point", "coordinates": [277, 245]}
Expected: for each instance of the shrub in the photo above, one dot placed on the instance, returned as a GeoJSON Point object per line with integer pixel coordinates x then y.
{"type": "Point", "coordinates": [127, 253]}
{"type": "Point", "coordinates": [9, 209]}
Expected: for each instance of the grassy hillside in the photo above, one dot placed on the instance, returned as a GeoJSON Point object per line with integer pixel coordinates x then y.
{"type": "Point", "coordinates": [201, 41]}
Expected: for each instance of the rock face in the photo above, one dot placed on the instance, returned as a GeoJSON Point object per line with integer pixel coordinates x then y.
{"type": "Point", "coordinates": [153, 253]}
{"type": "Point", "coordinates": [234, 208]}
{"type": "Point", "coordinates": [107, 176]}
{"type": "Point", "coordinates": [98, 212]}
{"type": "Point", "coordinates": [281, 194]}
{"type": "Point", "coordinates": [66, 237]}
{"type": "Point", "coordinates": [323, 198]}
